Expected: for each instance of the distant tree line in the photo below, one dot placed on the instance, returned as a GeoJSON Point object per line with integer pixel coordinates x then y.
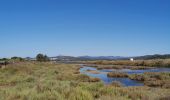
{"type": "Point", "coordinates": [40, 57]}
{"type": "Point", "coordinates": [13, 59]}
{"type": "Point", "coordinates": [5, 61]}
{"type": "Point", "coordinates": [17, 58]}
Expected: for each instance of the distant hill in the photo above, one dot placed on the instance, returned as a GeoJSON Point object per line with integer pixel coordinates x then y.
{"type": "Point", "coordinates": [84, 58]}
{"type": "Point", "coordinates": [156, 56]}
{"type": "Point", "coordinates": [102, 57]}
{"type": "Point", "coordinates": [92, 58]}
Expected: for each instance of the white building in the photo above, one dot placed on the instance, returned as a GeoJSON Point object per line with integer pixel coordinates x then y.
{"type": "Point", "coordinates": [131, 59]}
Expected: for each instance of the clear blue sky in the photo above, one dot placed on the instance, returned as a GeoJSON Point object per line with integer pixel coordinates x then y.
{"type": "Point", "coordinates": [84, 27]}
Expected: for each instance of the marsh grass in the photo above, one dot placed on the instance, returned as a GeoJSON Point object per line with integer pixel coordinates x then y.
{"type": "Point", "coordinates": [50, 81]}
{"type": "Point", "coordinates": [117, 74]}
{"type": "Point", "coordinates": [153, 79]}
{"type": "Point", "coordinates": [116, 84]}
{"type": "Point", "coordinates": [141, 63]}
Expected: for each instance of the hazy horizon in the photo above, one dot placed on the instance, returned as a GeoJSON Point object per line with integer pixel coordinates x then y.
{"type": "Point", "coordinates": [82, 55]}
{"type": "Point", "coordinates": [84, 27]}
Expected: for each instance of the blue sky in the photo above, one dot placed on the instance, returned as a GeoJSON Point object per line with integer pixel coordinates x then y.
{"type": "Point", "coordinates": [84, 27]}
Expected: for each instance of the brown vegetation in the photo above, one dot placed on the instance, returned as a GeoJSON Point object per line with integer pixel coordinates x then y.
{"type": "Point", "coordinates": [94, 80]}
{"type": "Point", "coordinates": [150, 63]}
{"type": "Point", "coordinates": [117, 74]}
{"type": "Point", "coordinates": [153, 79]}
{"type": "Point", "coordinates": [116, 84]}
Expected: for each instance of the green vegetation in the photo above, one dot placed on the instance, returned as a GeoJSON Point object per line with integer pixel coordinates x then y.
{"type": "Point", "coordinates": [17, 59]}
{"type": "Point", "coordinates": [12, 60]}
{"type": "Point", "coordinates": [42, 58]}
{"type": "Point", "coordinates": [4, 59]}
{"type": "Point", "coordinates": [50, 81]}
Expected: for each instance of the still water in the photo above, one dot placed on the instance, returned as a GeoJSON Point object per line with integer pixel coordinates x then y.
{"type": "Point", "coordinates": [125, 81]}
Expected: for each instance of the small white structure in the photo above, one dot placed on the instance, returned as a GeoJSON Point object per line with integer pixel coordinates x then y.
{"type": "Point", "coordinates": [131, 59]}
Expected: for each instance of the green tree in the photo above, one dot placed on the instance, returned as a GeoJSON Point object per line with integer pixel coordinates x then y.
{"type": "Point", "coordinates": [42, 58]}
{"type": "Point", "coordinates": [46, 58]}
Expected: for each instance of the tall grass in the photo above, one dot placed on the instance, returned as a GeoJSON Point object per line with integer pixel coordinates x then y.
{"type": "Point", "coordinates": [48, 81]}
